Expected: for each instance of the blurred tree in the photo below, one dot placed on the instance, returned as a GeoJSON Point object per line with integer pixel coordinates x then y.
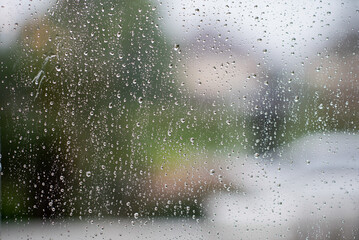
{"type": "Point", "coordinates": [71, 89]}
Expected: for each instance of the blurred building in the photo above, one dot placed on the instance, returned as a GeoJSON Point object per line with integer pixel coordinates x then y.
{"type": "Point", "coordinates": [215, 71]}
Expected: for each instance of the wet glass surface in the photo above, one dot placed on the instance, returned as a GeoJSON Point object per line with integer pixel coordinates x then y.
{"type": "Point", "coordinates": [179, 119]}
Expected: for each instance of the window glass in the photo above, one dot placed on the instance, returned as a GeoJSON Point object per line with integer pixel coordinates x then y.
{"type": "Point", "coordinates": [161, 119]}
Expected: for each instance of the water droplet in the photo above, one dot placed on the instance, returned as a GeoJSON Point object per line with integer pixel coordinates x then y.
{"type": "Point", "coordinates": [211, 172]}
{"type": "Point", "coordinates": [135, 215]}
{"type": "Point", "coordinates": [140, 100]}
{"type": "Point", "coordinates": [256, 155]}
{"type": "Point", "coordinates": [88, 174]}
{"type": "Point", "coordinates": [58, 68]}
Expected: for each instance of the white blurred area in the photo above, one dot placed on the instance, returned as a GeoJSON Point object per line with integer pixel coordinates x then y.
{"type": "Point", "coordinates": [310, 193]}
{"type": "Point", "coordinates": [15, 13]}
{"type": "Point", "coordinates": [109, 229]}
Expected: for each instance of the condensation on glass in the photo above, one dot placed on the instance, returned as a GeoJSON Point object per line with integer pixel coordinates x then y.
{"type": "Point", "coordinates": [167, 119]}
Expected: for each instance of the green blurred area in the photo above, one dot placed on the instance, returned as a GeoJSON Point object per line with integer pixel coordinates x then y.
{"type": "Point", "coordinates": [91, 109]}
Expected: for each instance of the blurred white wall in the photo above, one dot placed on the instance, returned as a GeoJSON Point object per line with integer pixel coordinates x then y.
{"type": "Point", "coordinates": [310, 193]}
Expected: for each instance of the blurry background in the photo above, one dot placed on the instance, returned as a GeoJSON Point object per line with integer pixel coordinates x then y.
{"type": "Point", "coordinates": [139, 109]}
